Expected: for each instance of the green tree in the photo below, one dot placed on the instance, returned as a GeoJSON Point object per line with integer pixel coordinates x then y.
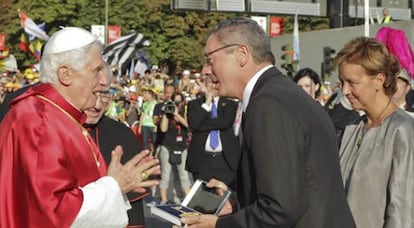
{"type": "Point", "coordinates": [306, 23]}
{"type": "Point", "coordinates": [53, 12]}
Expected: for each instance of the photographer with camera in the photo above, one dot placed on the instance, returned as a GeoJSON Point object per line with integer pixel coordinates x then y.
{"type": "Point", "coordinates": [169, 91]}
{"type": "Point", "coordinates": [173, 144]}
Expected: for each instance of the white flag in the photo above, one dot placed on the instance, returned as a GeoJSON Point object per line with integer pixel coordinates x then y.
{"type": "Point", "coordinates": [296, 49]}
{"type": "Point", "coordinates": [31, 28]}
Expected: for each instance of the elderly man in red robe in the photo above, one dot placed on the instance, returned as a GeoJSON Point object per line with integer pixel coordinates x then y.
{"type": "Point", "coordinates": [52, 173]}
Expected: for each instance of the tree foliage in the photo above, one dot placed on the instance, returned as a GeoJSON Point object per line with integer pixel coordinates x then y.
{"type": "Point", "coordinates": [306, 23]}
{"type": "Point", "coordinates": [175, 36]}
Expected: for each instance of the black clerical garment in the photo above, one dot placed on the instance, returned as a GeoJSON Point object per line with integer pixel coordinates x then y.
{"type": "Point", "coordinates": [108, 133]}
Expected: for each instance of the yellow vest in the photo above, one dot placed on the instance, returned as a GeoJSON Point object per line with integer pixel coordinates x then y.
{"type": "Point", "coordinates": [386, 20]}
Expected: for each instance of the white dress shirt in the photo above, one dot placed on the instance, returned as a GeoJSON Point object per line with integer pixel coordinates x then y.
{"type": "Point", "coordinates": [208, 148]}
{"type": "Point", "coordinates": [250, 85]}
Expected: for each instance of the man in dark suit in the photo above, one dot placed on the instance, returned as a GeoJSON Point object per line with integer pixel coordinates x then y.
{"type": "Point", "coordinates": [289, 173]}
{"type": "Point", "coordinates": [204, 161]}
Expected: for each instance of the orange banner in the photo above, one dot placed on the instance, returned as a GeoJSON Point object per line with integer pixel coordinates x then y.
{"type": "Point", "coordinates": [276, 26]}
{"type": "Point", "coordinates": [2, 42]}
{"type": "Point", "coordinates": [114, 32]}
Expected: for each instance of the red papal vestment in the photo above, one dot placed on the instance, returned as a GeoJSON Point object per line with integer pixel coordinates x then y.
{"type": "Point", "coordinates": [44, 160]}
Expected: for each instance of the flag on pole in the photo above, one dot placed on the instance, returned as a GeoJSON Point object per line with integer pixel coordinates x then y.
{"type": "Point", "coordinates": [296, 48]}
{"type": "Point", "coordinates": [122, 50]}
{"type": "Point", "coordinates": [28, 42]}
{"type": "Point", "coordinates": [34, 48]}
{"type": "Point", "coordinates": [42, 26]}
{"type": "Point", "coordinates": [24, 43]}
{"type": "Point", "coordinates": [143, 63]}
{"type": "Point", "coordinates": [31, 28]}
{"type": "Point", "coordinates": [131, 69]}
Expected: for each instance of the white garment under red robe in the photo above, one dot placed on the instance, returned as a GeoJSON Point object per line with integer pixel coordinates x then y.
{"type": "Point", "coordinates": [46, 162]}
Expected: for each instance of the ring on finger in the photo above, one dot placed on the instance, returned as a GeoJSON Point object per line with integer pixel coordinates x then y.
{"type": "Point", "coordinates": [144, 175]}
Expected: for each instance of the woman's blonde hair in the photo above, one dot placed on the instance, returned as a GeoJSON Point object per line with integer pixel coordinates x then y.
{"type": "Point", "coordinates": [374, 57]}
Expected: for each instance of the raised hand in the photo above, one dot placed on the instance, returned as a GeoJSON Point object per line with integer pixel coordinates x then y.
{"type": "Point", "coordinates": [133, 175]}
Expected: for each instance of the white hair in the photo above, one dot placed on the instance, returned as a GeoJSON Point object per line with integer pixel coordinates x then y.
{"type": "Point", "coordinates": [76, 59]}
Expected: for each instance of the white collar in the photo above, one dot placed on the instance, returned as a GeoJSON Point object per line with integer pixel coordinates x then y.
{"type": "Point", "coordinates": [250, 85]}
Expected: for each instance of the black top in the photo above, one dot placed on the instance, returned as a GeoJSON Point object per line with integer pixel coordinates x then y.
{"type": "Point", "coordinates": [176, 136]}
{"type": "Point", "coordinates": [109, 133]}
{"type": "Point", "coordinates": [158, 112]}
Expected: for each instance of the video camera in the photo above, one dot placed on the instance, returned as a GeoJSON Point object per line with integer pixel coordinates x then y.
{"type": "Point", "coordinates": [169, 108]}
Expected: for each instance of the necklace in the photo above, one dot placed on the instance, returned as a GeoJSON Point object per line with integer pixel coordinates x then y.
{"type": "Point", "coordinates": [83, 130]}
{"type": "Point", "coordinates": [363, 132]}
{"type": "Point", "coordinates": [365, 128]}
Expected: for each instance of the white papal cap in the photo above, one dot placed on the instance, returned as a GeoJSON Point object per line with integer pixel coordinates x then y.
{"type": "Point", "coordinates": [67, 39]}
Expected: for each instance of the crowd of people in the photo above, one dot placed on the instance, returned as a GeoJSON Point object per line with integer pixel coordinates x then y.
{"type": "Point", "coordinates": [88, 145]}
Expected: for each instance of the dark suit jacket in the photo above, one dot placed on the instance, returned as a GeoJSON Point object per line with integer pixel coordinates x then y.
{"type": "Point", "coordinates": [289, 173]}
{"type": "Point", "coordinates": [201, 123]}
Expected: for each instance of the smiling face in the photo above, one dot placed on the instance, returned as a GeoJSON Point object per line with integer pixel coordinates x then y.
{"type": "Point", "coordinates": [220, 60]}
{"type": "Point", "coordinates": [81, 87]}
{"type": "Point", "coordinates": [236, 49]}
{"type": "Point", "coordinates": [95, 113]}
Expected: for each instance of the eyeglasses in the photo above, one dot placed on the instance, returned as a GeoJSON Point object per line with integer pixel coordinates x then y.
{"type": "Point", "coordinates": [207, 55]}
{"type": "Point", "coordinates": [105, 96]}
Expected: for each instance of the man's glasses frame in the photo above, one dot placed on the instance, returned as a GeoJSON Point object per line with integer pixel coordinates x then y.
{"type": "Point", "coordinates": [208, 54]}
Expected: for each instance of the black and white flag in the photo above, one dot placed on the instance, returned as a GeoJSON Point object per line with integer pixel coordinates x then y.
{"type": "Point", "coordinates": [121, 51]}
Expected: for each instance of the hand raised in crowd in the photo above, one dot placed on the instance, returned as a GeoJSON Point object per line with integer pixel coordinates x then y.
{"type": "Point", "coordinates": [201, 84]}
{"type": "Point", "coordinates": [209, 96]}
{"type": "Point", "coordinates": [133, 175]}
